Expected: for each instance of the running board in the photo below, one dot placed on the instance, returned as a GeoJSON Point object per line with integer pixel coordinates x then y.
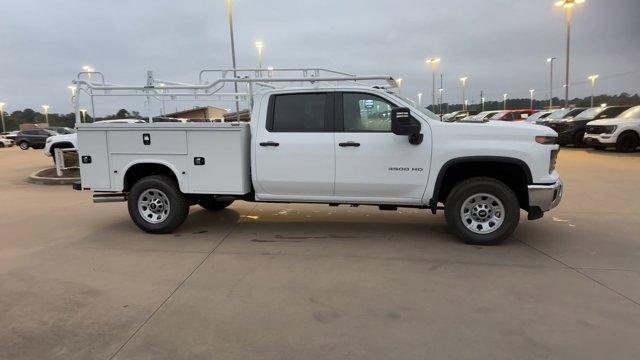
{"type": "Point", "coordinates": [109, 197]}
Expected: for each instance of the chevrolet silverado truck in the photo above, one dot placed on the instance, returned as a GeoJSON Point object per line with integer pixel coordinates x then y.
{"type": "Point", "coordinates": [327, 144]}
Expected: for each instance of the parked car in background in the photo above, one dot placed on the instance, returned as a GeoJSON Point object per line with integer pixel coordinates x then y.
{"type": "Point", "coordinates": [4, 142]}
{"type": "Point", "coordinates": [70, 141]}
{"type": "Point", "coordinates": [572, 130]}
{"type": "Point", "coordinates": [568, 113]}
{"type": "Point", "coordinates": [513, 115]}
{"type": "Point", "coordinates": [11, 135]}
{"type": "Point", "coordinates": [483, 116]}
{"type": "Point", "coordinates": [535, 117]}
{"type": "Point", "coordinates": [621, 132]}
{"type": "Point", "coordinates": [33, 138]}
{"type": "Point", "coordinates": [62, 130]}
{"type": "Point", "coordinates": [458, 115]}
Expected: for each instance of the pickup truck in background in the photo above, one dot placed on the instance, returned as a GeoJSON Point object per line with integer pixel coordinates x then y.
{"type": "Point", "coordinates": [338, 144]}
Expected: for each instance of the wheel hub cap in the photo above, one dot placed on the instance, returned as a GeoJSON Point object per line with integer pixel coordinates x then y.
{"type": "Point", "coordinates": [153, 206]}
{"type": "Point", "coordinates": [482, 213]}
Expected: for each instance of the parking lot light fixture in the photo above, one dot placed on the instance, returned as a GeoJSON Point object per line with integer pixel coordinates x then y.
{"type": "Point", "coordinates": [568, 6]}
{"type": "Point", "coordinates": [83, 112]}
{"type": "Point", "coordinates": [73, 90]}
{"type": "Point", "coordinates": [419, 99]}
{"type": "Point", "coordinates": [463, 80]}
{"type": "Point", "coordinates": [504, 100]}
{"type": "Point", "coordinates": [482, 101]}
{"type": "Point", "coordinates": [441, 90]}
{"type": "Point", "coordinates": [603, 105]}
{"type": "Point", "coordinates": [550, 61]}
{"type": "Point", "coordinates": [434, 65]}
{"type": "Point", "coordinates": [2, 116]}
{"type": "Point", "coordinates": [89, 70]}
{"type": "Point", "coordinates": [531, 91]}
{"type": "Point", "coordinates": [46, 114]}
{"type": "Point", "coordinates": [259, 46]}
{"type": "Point", "coordinates": [593, 79]}
{"type": "Point", "coordinates": [399, 83]}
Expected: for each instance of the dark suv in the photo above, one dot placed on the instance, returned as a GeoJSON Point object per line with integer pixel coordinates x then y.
{"type": "Point", "coordinates": [560, 114]}
{"type": "Point", "coordinates": [571, 130]}
{"type": "Point", "coordinates": [34, 138]}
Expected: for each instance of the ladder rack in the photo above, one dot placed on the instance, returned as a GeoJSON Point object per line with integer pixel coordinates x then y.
{"type": "Point", "coordinates": [211, 89]}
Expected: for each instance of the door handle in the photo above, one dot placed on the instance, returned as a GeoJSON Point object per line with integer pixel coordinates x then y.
{"type": "Point", "coordinates": [269, 143]}
{"type": "Point", "coordinates": [349, 143]}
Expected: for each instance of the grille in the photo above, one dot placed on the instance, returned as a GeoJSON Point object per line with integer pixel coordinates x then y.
{"type": "Point", "coordinates": [597, 129]}
{"type": "Point", "coordinates": [558, 127]}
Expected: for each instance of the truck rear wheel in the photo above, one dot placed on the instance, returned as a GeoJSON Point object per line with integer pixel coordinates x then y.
{"type": "Point", "coordinates": [482, 211]}
{"type": "Point", "coordinates": [156, 204]}
{"type": "Point", "coordinates": [211, 204]}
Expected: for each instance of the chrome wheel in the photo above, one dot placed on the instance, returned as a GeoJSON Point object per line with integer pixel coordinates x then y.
{"type": "Point", "coordinates": [153, 206]}
{"type": "Point", "coordinates": [482, 213]}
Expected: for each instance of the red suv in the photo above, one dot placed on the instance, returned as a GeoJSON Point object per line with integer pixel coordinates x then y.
{"type": "Point", "coordinates": [513, 115]}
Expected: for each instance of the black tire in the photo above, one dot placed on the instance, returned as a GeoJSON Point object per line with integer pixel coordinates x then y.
{"type": "Point", "coordinates": [628, 141]}
{"type": "Point", "coordinates": [1, 145]}
{"type": "Point", "coordinates": [578, 139]}
{"type": "Point", "coordinates": [211, 204]}
{"type": "Point", "coordinates": [475, 186]}
{"type": "Point", "coordinates": [178, 204]}
{"type": "Point", "coordinates": [23, 145]}
{"type": "Point", "coordinates": [600, 148]}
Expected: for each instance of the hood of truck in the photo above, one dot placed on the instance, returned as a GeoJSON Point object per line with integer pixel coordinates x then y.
{"type": "Point", "coordinates": [613, 121]}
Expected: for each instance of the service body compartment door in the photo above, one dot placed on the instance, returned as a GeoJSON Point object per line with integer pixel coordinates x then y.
{"type": "Point", "coordinates": [94, 160]}
{"type": "Point", "coordinates": [218, 161]}
{"type": "Point", "coordinates": [148, 141]}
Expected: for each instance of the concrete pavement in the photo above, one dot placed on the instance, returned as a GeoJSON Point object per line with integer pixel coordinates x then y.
{"type": "Point", "coordinates": [80, 281]}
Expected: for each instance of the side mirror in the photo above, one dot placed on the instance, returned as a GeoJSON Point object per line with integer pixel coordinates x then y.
{"type": "Point", "coordinates": [403, 124]}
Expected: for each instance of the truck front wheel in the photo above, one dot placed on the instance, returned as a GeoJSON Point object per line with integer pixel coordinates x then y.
{"type": "Point", "coordinates": [156, 204]}
{"type": "Point", "coordinates": [482, 211]}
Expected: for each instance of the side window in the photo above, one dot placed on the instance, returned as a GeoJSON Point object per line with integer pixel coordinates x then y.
{"type": "Point", "coordinates": [365, 113]}
{"type": "Point", "coordinates": [30, 132]}
{"type": "Point", "coordinates": [298, 113]}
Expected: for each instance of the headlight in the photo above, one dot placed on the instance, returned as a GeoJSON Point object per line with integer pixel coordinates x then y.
{"type": "Point", "coordinates": [553, 159]}
{"type": "Point", "coordinates": [546, 140]}
{"type": "Point", "coordinates": [610, 129]}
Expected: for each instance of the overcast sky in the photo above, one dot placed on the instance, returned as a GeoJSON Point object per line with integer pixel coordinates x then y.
{"type": "Point", "coordinates": [501, 45]}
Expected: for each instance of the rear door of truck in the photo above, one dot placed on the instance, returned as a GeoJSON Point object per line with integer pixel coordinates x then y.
{"type": "Point", "coordinates": [294, 151]}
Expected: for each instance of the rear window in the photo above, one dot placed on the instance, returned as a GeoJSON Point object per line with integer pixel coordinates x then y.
{"type": "Point", "coordinates": [298, 113]}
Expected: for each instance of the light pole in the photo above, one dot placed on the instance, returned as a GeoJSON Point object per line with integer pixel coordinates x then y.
{"type": "Point", "coordinates": [89, 69]}
{"type": "Point", "coordinates": [463, 80]}
{"type": "Point", "coordinates": [568, 6]}
{"type": "Point", "coordinates": [83, 112]}
{"type": "Point", "coordinates": [482, 101]}
{"type": "Point", "coordinates": [504, 100]}
{"type": "Point", "coordinates": [233, 55]}
{"type": "Point", "coordinates": [550, 61]}
{"type": "Point", "coordinates": [399, 82]}
{"type": "Point", "coordinates": [2, 116]}
{"type": "Point", "coordinates": [419, 99]}
{"type": "Point", "coordinates": [531, 91]}
{"type": "Point", "coordinates": [434, 64]}
{"type": "Point", "coordinates": [441, 90]}
{"type": "Point", "coordinates": [593, 79]}
{"type": "Point", "coordinates": [46, 113]}
{"type": "Point", "coordinates": [259, 46]}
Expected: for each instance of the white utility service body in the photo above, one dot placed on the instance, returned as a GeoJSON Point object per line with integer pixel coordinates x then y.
{"type": "Point", "coordinates": [338, 144]}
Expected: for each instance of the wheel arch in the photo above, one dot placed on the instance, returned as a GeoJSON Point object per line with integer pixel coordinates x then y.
{"type": "Point", "coordinates": [136, 170]}
{"type": "Point", "coordinates": [61, 145]}
{"type": "Point", "coordinates": [517, 176]}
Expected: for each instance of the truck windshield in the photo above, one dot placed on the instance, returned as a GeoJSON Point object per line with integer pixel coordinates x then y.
{"type": "Point", "coordinates": [423, 111]}
{"type": "Point", "coordinates": [559, 114]}
{"type": "Point", "coordinates": [590, 113]}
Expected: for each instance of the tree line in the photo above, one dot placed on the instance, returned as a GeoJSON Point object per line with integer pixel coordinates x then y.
{"type": "Point", "coordinates": [524, 103]}
{"type": "Point", "coordinates": [30, 116]}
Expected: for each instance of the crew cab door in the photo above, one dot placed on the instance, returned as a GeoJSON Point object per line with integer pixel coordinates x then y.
{"type": "Point", "coordinates": [372, 163]}
{"type": "Point", "coordinates": [294, 148]}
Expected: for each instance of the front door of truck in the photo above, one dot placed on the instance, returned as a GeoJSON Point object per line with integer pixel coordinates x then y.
{"type": "Point", "coordinates": [294, 151]}
{"type": "Point", "coordinates": [373, 164]}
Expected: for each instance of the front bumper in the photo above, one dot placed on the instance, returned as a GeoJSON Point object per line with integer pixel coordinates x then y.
{"type": "Point", "coordinates": [545, 197]}
{"type": "Point", "coordinates": [600, 139]}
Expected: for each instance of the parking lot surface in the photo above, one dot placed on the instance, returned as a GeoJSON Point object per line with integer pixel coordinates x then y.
{"type": "Point", "coordinates": [265, 281]}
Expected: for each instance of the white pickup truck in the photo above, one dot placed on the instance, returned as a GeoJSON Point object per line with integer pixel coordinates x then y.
{"type": "Point", "coordinates": [329, 144]}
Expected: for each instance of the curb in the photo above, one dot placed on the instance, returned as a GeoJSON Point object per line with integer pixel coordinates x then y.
{"type": "Point", "coordinates": [41, 180]}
